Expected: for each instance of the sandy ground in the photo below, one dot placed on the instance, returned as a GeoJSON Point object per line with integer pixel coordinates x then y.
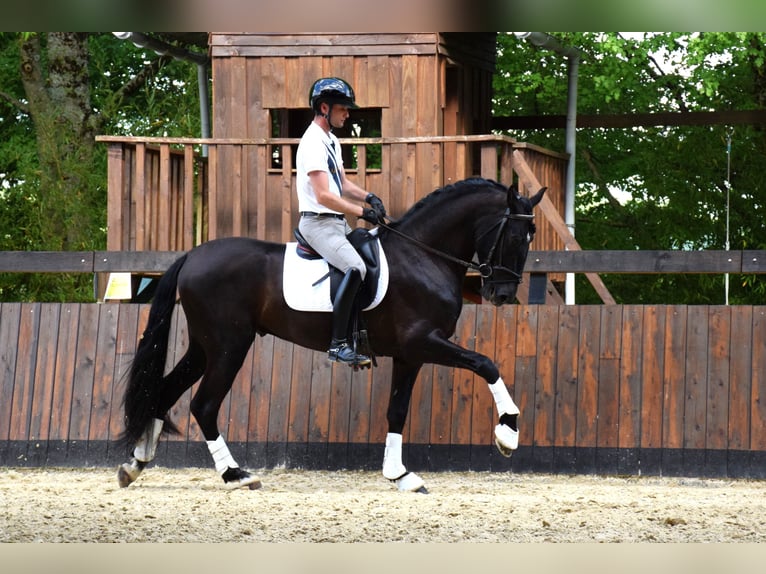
{"type": "Point", "coordinates": [192, 505]}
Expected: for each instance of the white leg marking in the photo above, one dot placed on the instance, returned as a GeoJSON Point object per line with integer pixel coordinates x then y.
{"type": "Point", "coordinates": [221, 455]}
{"type": "Point", "coordinates": [392, 457]}
{"type": "Point", "coordinates": [410, 482]}
{"type": "Point", "coordinates": [394, 469]}
{"type": "Point", "coordinates": [506, 438]}
{"type": "Point", "coordinates": [146, 447]}
{"type": "Point", "coordinates": [503, 400]}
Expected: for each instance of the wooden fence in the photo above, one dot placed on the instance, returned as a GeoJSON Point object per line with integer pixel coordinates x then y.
{"type": "Point", "coordinates": [617, 389]}
{"type": "Point", "coordinates": [674, 390]}
{"type": "Point", "coordinates": [164, 196]}
{"type": "Point", "coordinates": [538, 262]}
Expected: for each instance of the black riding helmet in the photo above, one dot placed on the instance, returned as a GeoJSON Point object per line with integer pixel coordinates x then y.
{"type": "Point", "coordinates": [332, 91]}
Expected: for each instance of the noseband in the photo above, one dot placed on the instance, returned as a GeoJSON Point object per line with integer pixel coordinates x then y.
{"type": "Point", "coordinates": [487, 269]}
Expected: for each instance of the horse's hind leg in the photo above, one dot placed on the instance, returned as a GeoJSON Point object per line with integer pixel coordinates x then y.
{"type": "Point", "coordinates": [216, 383]}
{"type": "Point", "coordinates": [188, 370]}
{"type": "Point", "coordinates": [402, 382]}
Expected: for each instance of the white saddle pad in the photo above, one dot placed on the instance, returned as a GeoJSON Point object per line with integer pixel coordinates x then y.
{"type": "Point", "coordinates": [300, 274]}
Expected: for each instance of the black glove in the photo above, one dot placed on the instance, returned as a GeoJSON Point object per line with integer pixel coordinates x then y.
{"type": "Point", "coordinates": [371, 214]}
{"type": "Point", "coordinates": [376, 203]}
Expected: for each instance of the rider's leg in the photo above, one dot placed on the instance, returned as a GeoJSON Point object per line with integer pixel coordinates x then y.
{"type": "Point", "coordinates": [328, 237]}
{"type": "Point", "coordinates": [341, 316]}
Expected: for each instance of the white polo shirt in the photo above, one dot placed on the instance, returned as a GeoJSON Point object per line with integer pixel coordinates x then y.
{"type": "Point", "coordinates": [317, 151]}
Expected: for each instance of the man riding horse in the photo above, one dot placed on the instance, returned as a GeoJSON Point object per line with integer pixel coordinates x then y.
{"type": "Point", "coordinates": [321, 186]}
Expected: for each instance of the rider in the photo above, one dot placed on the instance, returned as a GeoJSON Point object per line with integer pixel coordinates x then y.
{"type": "Point", "coordinates": [321, 185]}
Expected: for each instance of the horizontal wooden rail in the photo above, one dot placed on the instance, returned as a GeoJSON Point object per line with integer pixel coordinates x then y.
{"type": "Point", "coordinates": [601, 261]}
{"type": "Point", "coordinates": [86, 261]}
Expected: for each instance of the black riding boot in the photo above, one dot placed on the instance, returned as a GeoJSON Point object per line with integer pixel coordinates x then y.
{"type": "Point", "coordinates": [341, 315]}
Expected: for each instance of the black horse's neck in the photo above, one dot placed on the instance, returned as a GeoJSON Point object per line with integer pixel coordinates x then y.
{"type": "Point", "coordinates": [451, 218]}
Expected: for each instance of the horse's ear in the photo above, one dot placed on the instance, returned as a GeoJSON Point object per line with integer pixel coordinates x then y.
{"type": "Point", "coordinates": [513, 195]}
{"type": "Point", "coordinates": [536, 198]}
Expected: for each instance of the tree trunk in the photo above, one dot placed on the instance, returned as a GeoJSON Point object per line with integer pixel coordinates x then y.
{"type": "Point", "coordinates": [54, 71]}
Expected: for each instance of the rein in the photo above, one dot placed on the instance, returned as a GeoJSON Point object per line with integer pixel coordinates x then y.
{"type": "Point", "coordinates": [485, 269]}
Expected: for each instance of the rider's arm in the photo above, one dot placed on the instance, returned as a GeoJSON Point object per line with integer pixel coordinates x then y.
{"type": "Point", "coordinates": [321, 184]}
{"type": "Point", "coordinates": [353, 190]}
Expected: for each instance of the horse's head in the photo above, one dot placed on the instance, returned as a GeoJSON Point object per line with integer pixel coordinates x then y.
{"type": "Point", "coordinates": [503, 248]}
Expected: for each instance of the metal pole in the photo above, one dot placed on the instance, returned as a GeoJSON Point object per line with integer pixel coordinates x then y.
{"type": "Point", "coordinates": [728, 189]}
{"type": "Point", "coordinates": [548, 42]}
{"type": "Point", "coordinates": [573, 61]}
{"type": "Point", "coordinates": [204, 104]}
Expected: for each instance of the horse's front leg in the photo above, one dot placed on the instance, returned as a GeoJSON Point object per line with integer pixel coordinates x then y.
{"type": "Point", "coordinates": [507, 430]}
{"type": "Point", "coordinates": [445, 352]}
{"type": "Point", "coordinates": [402, 382]}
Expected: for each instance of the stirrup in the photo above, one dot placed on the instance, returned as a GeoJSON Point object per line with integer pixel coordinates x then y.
{"type": "Point", "coordinates": [342, 353]}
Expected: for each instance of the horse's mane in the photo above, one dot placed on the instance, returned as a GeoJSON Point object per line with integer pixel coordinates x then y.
{"type": "Point", "coordinates": [448, 192]}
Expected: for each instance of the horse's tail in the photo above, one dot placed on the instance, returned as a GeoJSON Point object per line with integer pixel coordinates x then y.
{"type": "Point", "coordinates": [145, 377]}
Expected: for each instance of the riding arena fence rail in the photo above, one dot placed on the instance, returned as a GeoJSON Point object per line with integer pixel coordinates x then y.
{"type": "Point", "coordinates": [674, 390]}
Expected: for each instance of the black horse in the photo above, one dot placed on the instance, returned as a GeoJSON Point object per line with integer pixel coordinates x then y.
{"type": "Point", "coordinates": [231, 290]}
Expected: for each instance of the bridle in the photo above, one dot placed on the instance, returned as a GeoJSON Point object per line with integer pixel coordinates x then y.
{"type": "Point", "coordinates": [487, 269]}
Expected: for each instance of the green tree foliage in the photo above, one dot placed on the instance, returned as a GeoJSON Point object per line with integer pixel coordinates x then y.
{"type": "Point", "coordinates": [656, 187]}
{"type": "Point", "coordinates": [57, 92]}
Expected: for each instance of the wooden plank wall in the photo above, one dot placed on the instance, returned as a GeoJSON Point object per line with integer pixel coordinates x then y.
{"type": "Point", "coordinates": [254, 200]}
{"type": "Point", "coordinates": [154, 192]}
{"type": "Point", "coordinates": [402, 74]}
{"type": "Point", "coordinates": [674, 390]}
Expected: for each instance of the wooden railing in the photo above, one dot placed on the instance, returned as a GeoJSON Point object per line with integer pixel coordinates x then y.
{"type": "Point", "coordinates": [157, 195]}
{"type": "Point", "coordinates": [164, 196]}
{"type": "Point", "coordinates": [535, 289]}
{"type": "Point", "coordinates": [600, 261]}
{"type": "Point", "coordinates": [608, 389]}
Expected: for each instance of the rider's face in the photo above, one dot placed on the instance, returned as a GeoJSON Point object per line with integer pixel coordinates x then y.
{"type": "Point", "coordinates": [338, 115]}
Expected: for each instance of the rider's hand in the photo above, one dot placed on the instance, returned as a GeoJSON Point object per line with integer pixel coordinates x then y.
{"type": "Point", "coordinates": [372, 215]}
{"type": "Point", "coordinates": [376, 203]}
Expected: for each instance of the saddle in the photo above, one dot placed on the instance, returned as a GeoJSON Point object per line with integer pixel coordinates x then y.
{"type": "Point", "coordinates": [367, 246]}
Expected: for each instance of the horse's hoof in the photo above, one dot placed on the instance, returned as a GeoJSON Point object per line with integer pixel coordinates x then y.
{"type": "Point", "coordinates": [506, 452]}
{"type": "Point", "coordinates": [238, 478]}
{"type": "Point", "coordinates": [411, 482]}
{"type": "Point", "coordinates": [506, 439]}
{"type": "Point", "coordinates": [128, 472]}
{"type": "Point", "coordinates": [123, 476]}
